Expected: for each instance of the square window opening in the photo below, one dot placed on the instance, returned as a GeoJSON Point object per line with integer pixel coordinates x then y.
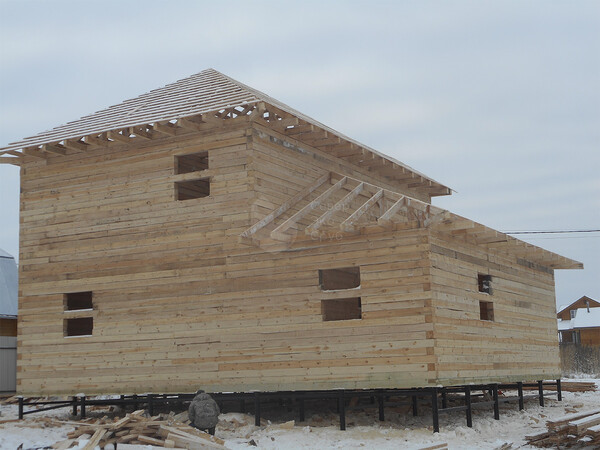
{"type": "Point", "coordinates": [75, 301]}
{"type": "Point", "coordinates": [341, 309]}
{"type": "Point", "coordinates": [81, 326]}
{"type": "Point", "coordinates": [335, 279]}
{"type": "Point", "coordinates": [191, 163]}
{"type": "Point", "coordinates": [484, 283]}
{"type": "Point", "coordinates": [486, 311]}
{"type": "Point", "coordinates": [187, 190]}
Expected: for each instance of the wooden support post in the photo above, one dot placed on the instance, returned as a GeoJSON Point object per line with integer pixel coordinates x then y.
{"type": "Point", "coordinates": [381, 401]}
{"type": "Point", "coordinates": [257, 409]}
{"type": "Point", "coordinates": [559, 390]}
{"type": "Point", "coordinates": [342, 409]}
{"type": "Point", "coordinates": [302, 411]}
{"type": "Point", "coordinates": [82, 400]}
{"type": "Point", "coordinates": [469, 407]}
{"type": "Point", "coordinates": [415, 405]}
{"type": "Point", "coordinates": [150, 404]}
{"type": "Point", "coordinates": [20, 408]}
{"type": "Point", "coordinates": [541, 391]}
{"type": "Point", "coordinates": [74, 405]}
{"type": "Point", "coordinates": [496, 404]}
{"type": "Point", "coordinates": [520, 392]}
{"type": "Point", "coordinates": [434, 410]}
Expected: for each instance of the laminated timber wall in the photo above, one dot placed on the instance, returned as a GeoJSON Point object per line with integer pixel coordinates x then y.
{"type": "Point", "coordinates": [520, 343]}
{"type": "Point", "coordinates": [106, 221]}
{"type": "Point", "coordinates": [179, 303]}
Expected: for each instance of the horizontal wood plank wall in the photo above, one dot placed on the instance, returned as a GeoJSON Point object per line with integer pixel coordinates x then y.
{"type": "Point", "coordinates": [520, 343]}
{"type": "Point", "coordinates": [179, 304]}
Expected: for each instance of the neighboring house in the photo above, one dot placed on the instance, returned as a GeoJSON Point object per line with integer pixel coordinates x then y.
{"type": "Point", "coordinates": [8, 322]}
{"type": "Point", "coordinates": [205, 235]}
{"type": "Point", "coordinates": [579, 322]}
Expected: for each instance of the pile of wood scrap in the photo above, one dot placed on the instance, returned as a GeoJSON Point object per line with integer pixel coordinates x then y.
{"type": "Point", "coordinates": [567, 386]}
{"type": "Point", "coordinates": [159, 431]}
{"type": "Point", "coordinates": [581, 428]}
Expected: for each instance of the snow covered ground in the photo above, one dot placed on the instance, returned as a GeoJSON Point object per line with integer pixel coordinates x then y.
{"type": "Point", "coordinates": [400, 430]}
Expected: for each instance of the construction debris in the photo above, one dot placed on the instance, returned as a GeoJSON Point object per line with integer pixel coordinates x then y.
{"type": "Point", "coordinates": [581, 428]}
{"type": "Point", "coordinates": [137, 430]}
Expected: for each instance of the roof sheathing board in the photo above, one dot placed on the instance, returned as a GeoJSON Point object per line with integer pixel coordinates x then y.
{"type": "Point", "coordinates": [206, 92]}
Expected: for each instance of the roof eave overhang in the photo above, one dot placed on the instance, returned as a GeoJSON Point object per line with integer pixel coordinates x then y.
{"type": "Point", "coordinates": [288, 123]}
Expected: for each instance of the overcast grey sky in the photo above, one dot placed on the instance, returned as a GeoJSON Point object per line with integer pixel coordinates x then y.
{"type": "Point", "coordinates": [499, 100]}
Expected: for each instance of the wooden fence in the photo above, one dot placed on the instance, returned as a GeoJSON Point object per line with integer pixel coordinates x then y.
{"type": "Point", "coordinates": [579, 359]}
{"type": "Point", "coordinates": [8, 363]}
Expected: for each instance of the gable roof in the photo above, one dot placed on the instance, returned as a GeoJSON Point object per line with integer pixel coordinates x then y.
{"type": "Point", "coordinates": [593, 303]}
{"type": "Point", "coordinates": [209, 95]}
{"type": "Point", "coordinates": [8, 285]}
{"type": "Point", "coordinates": [582, 319]}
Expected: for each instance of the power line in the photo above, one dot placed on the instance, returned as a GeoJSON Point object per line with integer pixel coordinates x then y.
{"type": "Point", "coordinates": [551, 231]}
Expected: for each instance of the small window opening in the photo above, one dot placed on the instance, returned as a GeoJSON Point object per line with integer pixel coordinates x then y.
{"type": "Point", "coordinates": [78, 300]}
{"type": "Point", "coordinates": [485, 283]}
{"type": "Point", "coordinates": [334, 279]}
{"type": "Point", "coordinates": [486, 311]}
{"type": "Point", "coordinates": [191, 163]}
{"type": "Point", "coordinates": [341, 309]}
{"type": "Point", "coordinates": [187, 190]}
{"type": "Point", "coordinates": [573, 312]}
{"type": "Point", "coordinates": [81, 326]}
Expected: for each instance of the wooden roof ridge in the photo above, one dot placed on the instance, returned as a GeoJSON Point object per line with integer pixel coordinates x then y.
{"type": "Point", "coordinates": [426, 214]}
{"type": "Point", "coordinates": [217, 96]}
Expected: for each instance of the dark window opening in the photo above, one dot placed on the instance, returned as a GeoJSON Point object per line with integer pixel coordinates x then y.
{"type": "Point", "coordinates": [341, 309]}
{"type": "Point", "coordinates": [81, 326]}
{"type": "Point", "coordinates": [191, 163]}
{"type": "Point", "coordinates": [78, 300]}
{"type": "Point", "coordinates": [187, 190]}
{"type": "Point", "coordinates": [485, 283]}
{"type": "Point", "coordinates": [486, 311]}
{"type": "Point", "coordinates": [334, 279]}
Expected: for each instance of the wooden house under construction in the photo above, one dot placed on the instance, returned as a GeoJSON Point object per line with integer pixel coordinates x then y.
{"type": "Point", "coordinates": [206, 235]}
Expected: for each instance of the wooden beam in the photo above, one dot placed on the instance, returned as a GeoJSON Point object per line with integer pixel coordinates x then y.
{"type": "Point", "coordinates": [52, 148]}
{"type": "Point", "coordinates": [96, 140]}
{"type": "Point", "coordinates": [165, 128]}
{"type": "Point", "coordinates": [15, 161]}
{"type": "Point", "coordinates": [116, 136]}
{"type": "Point", "coordinates": [210, 118]}
{"type": "Point", "coordinates": [287, 205]}
{"type": "Point", "coordinates": [386, 218]}
{"type": "Point", "coordinates": [348, 224]}
{"type": "Point", "coordinates": [190, 125]}
{"type": "Point", "coordinates": [337, 207]}
{"type": "Point", "coordinates": [141, 132]}
{"type": "Point", "coordinates": [278, 233]}
{"type": "Point", "coordinates": [76, 145]}
{"type": "Point", "coordinates": [34, 152]}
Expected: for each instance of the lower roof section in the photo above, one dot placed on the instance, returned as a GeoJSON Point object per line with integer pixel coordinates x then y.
{"type": "Point", "coordinates": [339, 205]}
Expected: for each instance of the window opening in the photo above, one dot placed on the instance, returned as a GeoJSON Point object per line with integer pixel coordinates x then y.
{"type": "Point", "coordinates": [80, 326]}
{"type": "Point", "coordinates": [344, 278]}
{"type": "Point", "coordinates": [187, 190]}
{"type": "Point", "coordinates": [485, 283]}
{"type": "Point", "coordinates": [486, 311]}
{"type": "Point", "coordinates": [341, 309]}
{"type": "Point", "coordinates": [191, 163]}
{"type": "Point", "coordinates": [75, 301]}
